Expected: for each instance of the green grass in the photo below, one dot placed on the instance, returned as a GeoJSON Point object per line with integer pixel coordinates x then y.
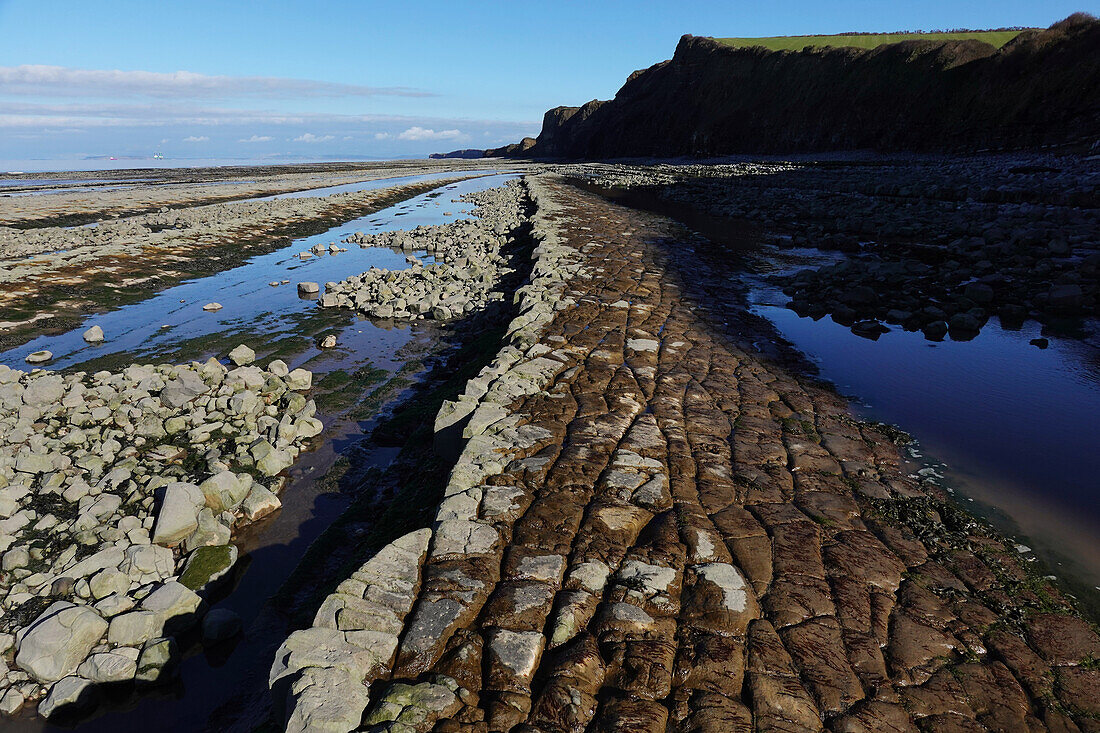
{"type": "Point", "coordinates": [869, 40]}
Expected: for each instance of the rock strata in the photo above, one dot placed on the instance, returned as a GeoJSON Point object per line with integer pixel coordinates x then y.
{"type": "Point", "coordinates": [651, 527]}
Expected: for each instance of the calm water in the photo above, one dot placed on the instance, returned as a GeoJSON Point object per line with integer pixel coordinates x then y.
{"type": "Point", "coordinates": [367, 185]}
{"type": "Point", "coordinates": [1015, 424]}
{"type": "Point", "coordinates": [248, 301]}
{"type": "Point", "coordinates": [224, 687]}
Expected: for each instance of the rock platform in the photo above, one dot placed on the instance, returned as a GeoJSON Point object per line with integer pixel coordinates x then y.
{"type": "Point", "coordinates": [651, 526]}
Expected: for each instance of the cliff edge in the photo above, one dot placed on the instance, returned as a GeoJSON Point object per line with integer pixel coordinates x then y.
{"type": "Point", "coordinates": [1042, 88]}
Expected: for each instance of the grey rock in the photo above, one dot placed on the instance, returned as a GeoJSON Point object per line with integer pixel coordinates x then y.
{"type": "Point", "coordinates": [11, 701]}
{"type": "Point", "coordinates": [108, 667]}
{"type": "Point", "coordinates": [299, 380]}
{"type": "Point", "coordinates": [178, 516]}
{"type": "Point", "coordinates": [68, 695]}
{"type": "Point", "coordinates": [133, 628]}
{"type": "Point", "coordinates": [158, 659]}
{"type": "Point", "coordinates": [44, 390]}
{"type": "Point", "coordinates": [328, 700]}
{"type": "Point", "coordinates": [174, 603]}
{"type": "Point", "coordinates": [242, 355]}
{"type": "Point", "coordinates": [259, 503]}
{"type": "Point", "coordinates": [226, 490]}
{"type": "Point", "coordinates": [58, 640]}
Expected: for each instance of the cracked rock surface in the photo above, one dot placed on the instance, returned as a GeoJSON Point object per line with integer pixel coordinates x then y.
{"type": "Point", "coordinates": [651, 526]}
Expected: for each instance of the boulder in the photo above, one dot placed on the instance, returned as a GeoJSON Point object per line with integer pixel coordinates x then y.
{"type": "Point", "coordinates": [108, 667]}
{"type": "Point", "coordinates": [93, 335]}
{"type": "Point", "coordinates": [260, 502]}
{"type": "Point", "coordinates": [178, 516]}
{"type": "Point", "coordinates": [45, 390]}
{"type": "Point", "coordinates": [242, 355]}
{"type": "Point", "coordinates": [174, 603]}
{"type": "Point", "coordinates": [270, 461]}
{"type": "Point", "coordinates": [133, 628]}
{"type": "Point", "coordinates": [70, 695]}
{"type": "Point", "coordinates": [226, 490]}
{"type": "Point", "coordinates": [207, 564]}
{"type": "Point", "coordinates": [55, 644]}
{"type": "Point", "coordinates": [158, 658]}
{"type": "Point", "coordinates": [220, 624]}
{"type": "Point", "coordinates": [299, 380]}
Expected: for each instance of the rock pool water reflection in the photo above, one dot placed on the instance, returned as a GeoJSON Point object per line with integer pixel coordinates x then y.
{"type": "Point", "coordinates": [1015, 424]}
{"type": "Point", "coordinates": [249, 302]}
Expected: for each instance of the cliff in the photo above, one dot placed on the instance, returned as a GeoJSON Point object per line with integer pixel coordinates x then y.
{"type": "Point", "coordinates": [710, 99]}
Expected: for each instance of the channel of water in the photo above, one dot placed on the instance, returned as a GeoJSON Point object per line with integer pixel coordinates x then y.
{"type": "Point", "coordinates": [224, 687]}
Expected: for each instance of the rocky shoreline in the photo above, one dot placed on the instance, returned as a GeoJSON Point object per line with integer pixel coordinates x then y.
{"type": "Point", "coordinates": [651, 527]}
{"type": "Point", "coordinates": [119, 495]}
{"type": "Point", "coordinates": [468, 265]}
{"type": "Point", "coordinates": [114, 263]}
{"type": "Point", "coordinates": [648, 522]}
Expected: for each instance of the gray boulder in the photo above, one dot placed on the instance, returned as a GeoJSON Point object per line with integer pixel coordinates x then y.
{"type": "Point", "coordinates": [70, 694]}
{"type": "Point", "coordinates": [220, 624]}
{"type": "Point", "coordinates": [178, 516]}
{"type": "Point", "coordinates": [59, 640]}
{"type": "Point", "coordinates": [242, 355]}
{"type": "Point", "coordinates": [226, 490]}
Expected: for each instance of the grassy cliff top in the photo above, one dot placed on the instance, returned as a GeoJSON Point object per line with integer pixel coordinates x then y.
{"type": "Point", "coordinates": [867, 40]}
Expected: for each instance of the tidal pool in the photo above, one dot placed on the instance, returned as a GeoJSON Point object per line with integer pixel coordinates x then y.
{"type": "Point", "coordinates": [1016, 425]}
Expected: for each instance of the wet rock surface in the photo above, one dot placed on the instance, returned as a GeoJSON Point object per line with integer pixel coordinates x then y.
{"type": "Point", "coordinates": [119, 494]}
{"type": "Point", "coordinates": [937, 245]}
{"type": "Point", "coordinates": [652, 526]}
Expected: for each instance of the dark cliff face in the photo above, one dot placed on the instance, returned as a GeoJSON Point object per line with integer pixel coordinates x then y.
{"type": "Point", "coordinates": [1042, 88]}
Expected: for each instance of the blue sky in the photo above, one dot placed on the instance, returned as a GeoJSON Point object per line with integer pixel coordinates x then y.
{"type": "Point", "coordinates": [237, 79]}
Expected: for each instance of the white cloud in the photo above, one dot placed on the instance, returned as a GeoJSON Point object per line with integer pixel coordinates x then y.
{"type": "Point", "coordinates": [111, 114]}
{"type": "Point", "coordinates": [309, 137]}
{"type": "Point", "coordinates": [257, 139]}
{"type": "Point", "coordinates": [42, 80]}
{"type": "Point", "coordinates": [419, 133]}
{"type": "Point", "coordinates": [196, 139]}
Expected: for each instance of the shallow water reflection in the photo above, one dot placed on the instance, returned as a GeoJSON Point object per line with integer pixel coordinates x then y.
{"type": "Point", "coordinates": [1015, 424]}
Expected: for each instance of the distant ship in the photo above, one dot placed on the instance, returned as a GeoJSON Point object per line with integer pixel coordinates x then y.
{"type": "Point", "coordinates": [158, 156]}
